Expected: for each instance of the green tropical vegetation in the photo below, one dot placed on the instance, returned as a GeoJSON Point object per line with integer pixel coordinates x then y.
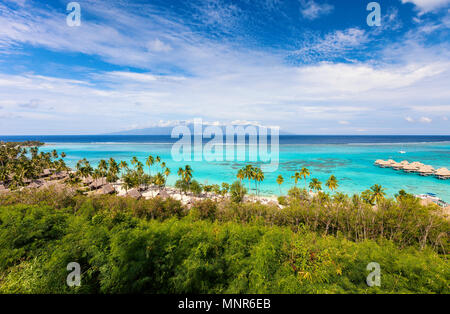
{"type": "Point", "coordinates": [310, 241]}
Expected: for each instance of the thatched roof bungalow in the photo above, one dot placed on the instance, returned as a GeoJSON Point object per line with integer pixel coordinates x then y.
{"type": "Point", "coordinates": [45, 173]}
{"type": "Point", "coordinates": [88, 180]}
{"type": "Point", "coordinates": [107, 189]}
{"type": "Point", "coordinates": [134, 193]}
{"type": "Point", "coordinates": [97, 183]}
{"type": "Point", "coordinates": [163, 194]}
{"type": "Point", "coordinates": [426, 170]}
{"type": "Point", "coordinates": [409, 168]}
{"type": "Point", "coordinates": [443, 174]}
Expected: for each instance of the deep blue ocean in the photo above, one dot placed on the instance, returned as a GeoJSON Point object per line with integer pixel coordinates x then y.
{"type": "Point", "coordinates": [349, 158]}
{"type": "Point", "coordinates": [283, 139]}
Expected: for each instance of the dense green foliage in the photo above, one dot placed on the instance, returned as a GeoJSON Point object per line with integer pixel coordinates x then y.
{"type": "Point", "coordinates": [19, 165]}
{"type": "Point", "coordinates": [158, 246]}
{"type": "Point", "coordinates": [22, 144]}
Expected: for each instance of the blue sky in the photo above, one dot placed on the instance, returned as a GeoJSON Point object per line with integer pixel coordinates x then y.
{"type": "Point", "coordinates": [308, 66]}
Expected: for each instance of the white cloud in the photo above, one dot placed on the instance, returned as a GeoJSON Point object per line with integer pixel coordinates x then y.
{"type": "Point", "coordinates": [427, 5]}
{"type": "Point", "coordinates": [223, 82]}
{"type": "Point", "coordinates": [158, 46]}
{"type": "Point", "coordinates": [426, 120]}
{"type": "Point", "coordinates": [311, 10]}
{"type": "Point", "coordinates": [333, 44]}
{"type": "Point", "coordinates": [409, 119]}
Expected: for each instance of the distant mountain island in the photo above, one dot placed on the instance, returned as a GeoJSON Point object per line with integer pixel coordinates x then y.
{"type": "Point", "coordinates": [167, 130]}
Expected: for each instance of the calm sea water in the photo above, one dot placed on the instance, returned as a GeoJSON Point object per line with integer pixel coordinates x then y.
{"type": "Point", "coordinates": [349, 158]}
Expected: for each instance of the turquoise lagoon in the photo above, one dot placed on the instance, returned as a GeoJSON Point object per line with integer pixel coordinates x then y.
{"type": "Point", "coordinates": [351, 163]}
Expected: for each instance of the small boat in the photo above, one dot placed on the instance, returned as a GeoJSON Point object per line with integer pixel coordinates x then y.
{"type": "Point", "coordinates": [402, 152]}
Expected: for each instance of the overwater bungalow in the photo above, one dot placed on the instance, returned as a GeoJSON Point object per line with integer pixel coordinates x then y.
{"type": "Point", "coordinates": [426, 170]}
{"type": "Point", "coordinates": [443, 174]}
{"type": "Point", "coordinates": [410, 168]}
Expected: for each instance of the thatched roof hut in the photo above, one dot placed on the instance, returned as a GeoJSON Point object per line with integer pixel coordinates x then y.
{"type": "Point", "coordinates": [409, 168]}
{"type": "Point", "coordinates": [88, 180]}
{"type": "Point", "coordinates": [134, 193]}
{"type": "Point", "coordinates": [107, 189]}
{"type": "Point", "coordinates": [45, 173]}
{"type": "Point", "coordinates": [402, 164]}
{"type": "Point", "coordinates": [2, 187]}
{"type": "Point", "coordinates": [443, 173]}
{"type": "Point", "coordinates": [163, 194]}
{"type": "Point", "coordinates": [426, 170]}
{"type": "Point", "coordinates": [58, 175]}
{"type": "Point", "coordinates": [417, 164]}
{"type": "Point", "coordinates": [382, 163]}
{"type": "Point", "coordinates": [97, 183]}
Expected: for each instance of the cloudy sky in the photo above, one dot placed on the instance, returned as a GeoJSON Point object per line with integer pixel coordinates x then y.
{"type": "Point", "coordinates": [309, 66]}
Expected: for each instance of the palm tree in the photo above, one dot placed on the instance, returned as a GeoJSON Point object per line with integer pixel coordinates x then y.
{"type": "Point", "coordinates": [315, 185]}
{"type": "Point", "coordinates": [123, 165]}
{"type": "Point", "coordinates": [180, 173]}
{"type": "Point", "coordinates": [332, 183]}
{"type": "Point", "coordinates": [304, 173]}
{"type": "Point", "coordinates": [377, 193]}
{"type": "Point", "coordinates": [84, 168]}
{"type": "Point", "coordinates": [167, 173]}
{"type": "Point", "coordinates": [297, 177]}
{"type": "Point", "coordinates": [225, 188]}
{"type": "Point", "coordinates": [113, 170]}
{"type": "Point", "coordinates": [249, 173]}
{"type": "Point", "coordinates": [149, 162]}
{"type": "Point", "coordinates": [160, 180]}
{"type": "Point", "coordinates": [259, 177]}
{"type": "Point", "coordinates": [240, 175]}
{"type": "Point", "coordinates": [134, 160]}
{"type": "Point", "coordinates": [280, 181]}
{"type": "Point", "coordinates": [102, 167]}
{"type": "Point", "coordinates": [63, 155]}
{"type": "Point", "coordinates": [187, 173]}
